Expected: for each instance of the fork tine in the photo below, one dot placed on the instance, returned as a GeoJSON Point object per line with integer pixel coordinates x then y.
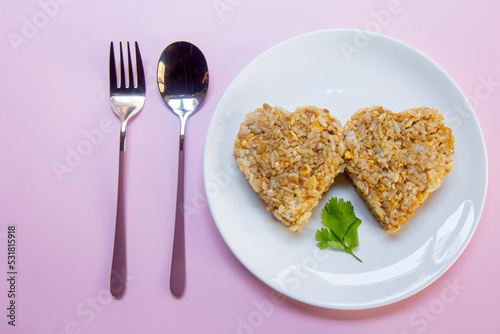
{"type": "Point", "coordinates": [113, 84]}
{"type": "Point", "coordinates": [122, 69]}
{"type": "Point", "coordinates": [130, 70]}
{"type": "Point", "coordinates": [141, 81]}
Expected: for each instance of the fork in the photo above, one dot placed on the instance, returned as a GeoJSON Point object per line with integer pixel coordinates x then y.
{"type": "Point", "coordinates": [126, 100]}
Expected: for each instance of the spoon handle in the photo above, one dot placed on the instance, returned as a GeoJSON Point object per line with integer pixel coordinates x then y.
{"type": "Point", "coordinates": [119, 264]}
{"type": "Point", "coordinates": [178, 267]}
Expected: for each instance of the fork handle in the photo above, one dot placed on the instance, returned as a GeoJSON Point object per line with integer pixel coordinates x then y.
{"type": "Point", "coordinates": [119, 264]}
{"type": "Point", "coordinates": [178, 266]}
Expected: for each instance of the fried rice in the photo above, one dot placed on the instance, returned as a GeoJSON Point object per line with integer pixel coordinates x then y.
{"type": "Point", "coordinates": [290, 159]}
{"type": "Point", "coordinates": [396, 160]}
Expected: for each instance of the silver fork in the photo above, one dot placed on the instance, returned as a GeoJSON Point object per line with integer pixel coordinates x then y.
{"type": "Point", "coordinates": [126, 100]}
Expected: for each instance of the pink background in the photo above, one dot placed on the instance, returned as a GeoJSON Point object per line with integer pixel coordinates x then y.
{"type": "Point", "coordinates": [54, 88]}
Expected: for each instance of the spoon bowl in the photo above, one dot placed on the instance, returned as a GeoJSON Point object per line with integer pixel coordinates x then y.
{"type": "Point", "coordinates": [183, 84]}
{"type": "Point", "coordinates": [182, 80]}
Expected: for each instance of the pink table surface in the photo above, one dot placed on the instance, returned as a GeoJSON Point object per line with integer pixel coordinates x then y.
{"type": "Point", "coordinates": [54, 93]}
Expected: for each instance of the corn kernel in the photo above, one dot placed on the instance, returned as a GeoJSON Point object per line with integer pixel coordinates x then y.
{"type": "Point", "coordinates": [305, 170]}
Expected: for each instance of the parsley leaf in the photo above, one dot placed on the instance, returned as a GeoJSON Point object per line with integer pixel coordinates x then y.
{"type": "Point", "coordinates": [342, 227]}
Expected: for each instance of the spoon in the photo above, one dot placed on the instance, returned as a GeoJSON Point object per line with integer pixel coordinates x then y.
{"type": "Point", "coordinates": [183, 84]}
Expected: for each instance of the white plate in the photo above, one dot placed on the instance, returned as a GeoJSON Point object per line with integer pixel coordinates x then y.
{"type": "Point", "coordinates": [344, 70]}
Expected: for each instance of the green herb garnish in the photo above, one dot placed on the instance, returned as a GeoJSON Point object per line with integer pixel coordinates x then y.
{"type": "Point", "coordinates": [342, 227]}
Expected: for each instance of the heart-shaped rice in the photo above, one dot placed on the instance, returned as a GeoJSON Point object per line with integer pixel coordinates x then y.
{"type": "Point", "coordinates": [396, 160]}
{"type": "Point", "coordinates": [290, 159]}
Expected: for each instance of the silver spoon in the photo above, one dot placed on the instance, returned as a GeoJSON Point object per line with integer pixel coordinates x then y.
{"type": "Point", "coordinates": [183, 84]}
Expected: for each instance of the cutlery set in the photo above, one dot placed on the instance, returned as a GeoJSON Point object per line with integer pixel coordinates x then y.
{"type": "Point", "coordinates": [182, 75]}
